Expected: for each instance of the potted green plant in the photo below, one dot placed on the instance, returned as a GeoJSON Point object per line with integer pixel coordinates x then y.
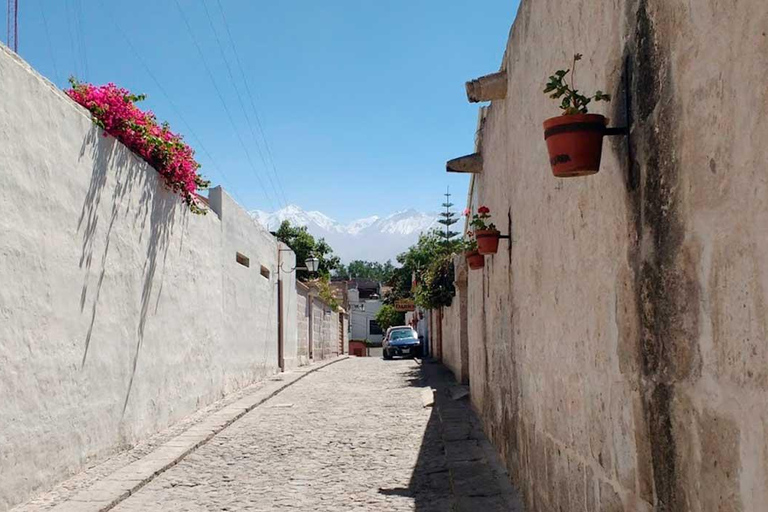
{"type": "Point", "coordinates": [486, 234]}
{"type": "Point", "coordinates": [575, 138]}
{"type": "Point", "coordinates": [475, 260]}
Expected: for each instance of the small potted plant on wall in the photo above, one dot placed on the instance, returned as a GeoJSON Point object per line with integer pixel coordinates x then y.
{"type": "Point", "coordinates": [486, 234]}
{"type": "Point", "coordinates": [475, 260]}
{"type": "Point", "coordinates": [575, 138]}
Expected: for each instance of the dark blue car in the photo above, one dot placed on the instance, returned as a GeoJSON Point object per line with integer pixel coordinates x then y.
{"type": "Point", "coordinates": [403, 343]}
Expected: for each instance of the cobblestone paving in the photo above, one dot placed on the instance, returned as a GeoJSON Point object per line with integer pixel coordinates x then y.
{"type": "Point", "coordinates": [353, 436]}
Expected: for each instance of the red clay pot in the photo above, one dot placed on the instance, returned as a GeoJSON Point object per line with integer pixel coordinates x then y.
{"type": "Point", "coordinates": [475, 260]}
{"type": "Point", "coordinates": [575, 144]}
{"type": "Point", "coordinates": [487, 241]}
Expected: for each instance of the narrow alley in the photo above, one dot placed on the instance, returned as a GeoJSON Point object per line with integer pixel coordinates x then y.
{"type": "Point", "coordinates": [359, 434]}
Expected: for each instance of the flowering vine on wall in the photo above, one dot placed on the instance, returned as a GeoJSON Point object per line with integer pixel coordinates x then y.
{"type": "Point", "coordinates": [114, 110]}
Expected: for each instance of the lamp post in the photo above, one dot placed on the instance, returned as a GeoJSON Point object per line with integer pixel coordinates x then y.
{"type": "Point", "coordinates": [312, 264]}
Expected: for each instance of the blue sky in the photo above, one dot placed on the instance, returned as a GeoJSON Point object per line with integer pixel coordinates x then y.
{"type": "Point", "coordinates": [361, 101]}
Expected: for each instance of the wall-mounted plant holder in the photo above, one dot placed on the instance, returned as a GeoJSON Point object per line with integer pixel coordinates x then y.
{"type": "Point", "coordinates": [488, 240]}
{"type": "Point", "coordinates": [575, 140]}
{"type": "Point", "coordinates": [475, 260]}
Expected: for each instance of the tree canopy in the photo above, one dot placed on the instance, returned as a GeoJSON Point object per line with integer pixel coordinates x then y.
{"type": "Point", "coordinates": [387, 316]}
{"type": "Point", "coordinates": [304, 245]}
{"type": "Point", "coordinates": [430, 262]}
{"type": "Point", "coordinates": [360, 269]}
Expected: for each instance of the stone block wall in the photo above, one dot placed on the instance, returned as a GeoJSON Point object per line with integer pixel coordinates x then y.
{"type": "Point", "coordinates": [617, 349]}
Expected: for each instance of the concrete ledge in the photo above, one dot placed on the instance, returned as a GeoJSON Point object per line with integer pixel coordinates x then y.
{"type": "Point", "coordinates": [114, 488]}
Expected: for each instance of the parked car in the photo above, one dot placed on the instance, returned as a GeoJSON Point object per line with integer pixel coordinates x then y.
{"type": "Point", "coordinates": [401, 341]}
{"type": "Point", "coordinates": [393, 328]}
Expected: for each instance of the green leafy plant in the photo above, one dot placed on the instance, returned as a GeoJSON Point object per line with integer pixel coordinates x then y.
{"type": "Point", "coordinates": [304, 245]}
{"type": "Point", "coordinates": [387, 316]}
{"type": "Point", "coordinates": [572, 101]}
{"type": "Point", "coordinates": [436, 288]}
{"type": "Point", "coordinates": [480, 220]}
{"type": "Point", "coordinates": [326, 294]}
{"type": "Point", "coordinates": [469, 244]}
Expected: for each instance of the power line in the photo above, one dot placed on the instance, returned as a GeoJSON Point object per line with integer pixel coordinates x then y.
{"type": "Point", "coordinates": [75, 53]}
{"type": "Point", "coordinates": [176, 110]}
{"type": "Point", "coordinates": [50, 44]}
{"type": "Point", "coordinates": [250, 96]}
{"type": "Point", "coordinates": [224, 104]}
{"type": "Point", "coordinates": [242, 104]}
{"type": "Point", "coordinates": [78, 8]}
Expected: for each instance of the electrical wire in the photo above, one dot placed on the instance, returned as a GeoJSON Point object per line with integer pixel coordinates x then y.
{"type": "Point", "coordinates": [224, 104]}
{"type": "Point", "coordinates": [253, 104]}
{"type": "Point", "coordinates": [197, 141]}
{"type": "Point", "coordinates": [78, 8]}
{"type": "Point", "coordinates": [50, 44]}
{"type": "Point", "coordinates": [75, 53]}
{"type": "Point", "coordinates": [242, 104]}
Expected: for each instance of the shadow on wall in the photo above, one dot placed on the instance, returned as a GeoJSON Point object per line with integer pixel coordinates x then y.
{"type": "Point", "coordinates": [113, 162]}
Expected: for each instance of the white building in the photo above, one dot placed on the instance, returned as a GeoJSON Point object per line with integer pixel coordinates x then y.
{"type": "Point", "coordinates": [364, 303]}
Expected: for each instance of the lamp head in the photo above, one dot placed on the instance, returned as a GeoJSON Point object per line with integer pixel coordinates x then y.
{"type": "Point", "coordinates": [312, 264]}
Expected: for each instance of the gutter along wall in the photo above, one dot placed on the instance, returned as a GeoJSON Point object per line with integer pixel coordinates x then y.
{"type": "Point", "coordinates": [618, 351]}
{"type": "Point", "coordinates": [120, 312]}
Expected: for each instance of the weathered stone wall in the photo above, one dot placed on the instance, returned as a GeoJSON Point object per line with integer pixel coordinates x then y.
{"type": "Point", "coordinates": [617, 349]}
{"type": "Point", "coordinates": [454, 326]}
{"type": "Point", "coordinates": [325, 336]}
{"type": "Point", "coordinates": [302, 323]}
{"type": "Point", "coordinates": [120, 312]}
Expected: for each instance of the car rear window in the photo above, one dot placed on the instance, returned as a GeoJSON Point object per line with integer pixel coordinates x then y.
{"type": "Point", "coordinates": [402, 333]}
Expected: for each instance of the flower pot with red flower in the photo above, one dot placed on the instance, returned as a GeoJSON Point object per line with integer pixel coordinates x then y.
{"type": "Point", "coordinates": [486, 234]}
{"type": "Point", "coordinates": [575, 138]}
{"type": "Point", "coordinates": [475, 260]}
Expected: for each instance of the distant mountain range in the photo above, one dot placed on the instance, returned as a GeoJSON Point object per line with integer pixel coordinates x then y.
{"type": "Point", "coordinates": [372, 238]}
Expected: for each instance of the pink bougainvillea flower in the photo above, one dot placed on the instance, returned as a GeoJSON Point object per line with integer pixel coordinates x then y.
{"type": "Point", "coordinates": [467, 211]}
{"type": "Point", "coordinates": [113, 109]}
{"type": "Point", "coordinates": [483, 210]}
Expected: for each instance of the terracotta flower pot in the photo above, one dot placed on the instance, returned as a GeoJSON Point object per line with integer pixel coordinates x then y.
{"type": "Point", "coordinates": [575, 144]}
{"type": "Point", "coordinates": [475, 260]}
{"type": "Point", "coordinates": [487, 241]}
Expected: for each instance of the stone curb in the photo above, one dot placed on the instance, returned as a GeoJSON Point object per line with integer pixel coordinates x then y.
{"type": "Point", "coordinates": [112, 489]}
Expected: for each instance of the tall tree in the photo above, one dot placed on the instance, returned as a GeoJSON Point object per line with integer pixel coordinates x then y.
{"type": "Point", "coordinates": [359, 269]}
{"type": "Point", "coordinates": [304, 245]}
{"type": "Point", "coordinates": [448, 218]}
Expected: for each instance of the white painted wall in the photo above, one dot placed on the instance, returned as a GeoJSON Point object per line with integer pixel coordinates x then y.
{"type": "Point", "coordinates": [120, 312]}
{"type": "Point", "coordinates": [360, 315]}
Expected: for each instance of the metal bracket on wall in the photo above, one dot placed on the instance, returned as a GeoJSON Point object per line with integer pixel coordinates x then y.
{"type": "Point", "coordinates": [625, 130]}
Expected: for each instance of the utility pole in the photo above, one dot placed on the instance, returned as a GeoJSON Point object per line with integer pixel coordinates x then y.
{"type": "Point", "coordinates": [12, 25]}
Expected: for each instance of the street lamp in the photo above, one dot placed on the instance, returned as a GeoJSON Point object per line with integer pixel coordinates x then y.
{"type": "Point", "coordinates": [311, 264]}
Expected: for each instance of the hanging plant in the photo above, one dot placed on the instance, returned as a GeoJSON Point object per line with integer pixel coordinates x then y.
{"type": "Point", "coordinates": [475, 260]}
{"type": "Point", "coordinates": [113, 109]}
{"type": "Point", "coordinates": [485, 232]}
{"type": "Point", "coordinates": [575, 138]}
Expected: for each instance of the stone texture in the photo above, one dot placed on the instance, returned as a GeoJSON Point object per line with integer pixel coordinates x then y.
{"type": "Point", "coordinates": [629, 309]}
{"type": "Point", "coordinates": [372, 447]}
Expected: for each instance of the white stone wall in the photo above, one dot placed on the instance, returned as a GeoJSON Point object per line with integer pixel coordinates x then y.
{"type": "Point", "coordinates": [120, 312]}
{"type": "Point", "coordinates": [618, 349]}
{"type": "Point", "coordinates": [290, 309]}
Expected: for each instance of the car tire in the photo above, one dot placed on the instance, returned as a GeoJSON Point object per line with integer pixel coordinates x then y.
{"type": "Point", "coordinates": [387, 356]}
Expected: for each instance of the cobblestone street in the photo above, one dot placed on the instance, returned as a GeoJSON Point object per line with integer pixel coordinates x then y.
{"type": "Point", "coordinates": [355, 435]}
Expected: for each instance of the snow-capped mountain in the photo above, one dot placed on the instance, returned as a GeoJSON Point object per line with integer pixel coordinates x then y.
{"type": "Point", "coordinates": [372, 238]}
